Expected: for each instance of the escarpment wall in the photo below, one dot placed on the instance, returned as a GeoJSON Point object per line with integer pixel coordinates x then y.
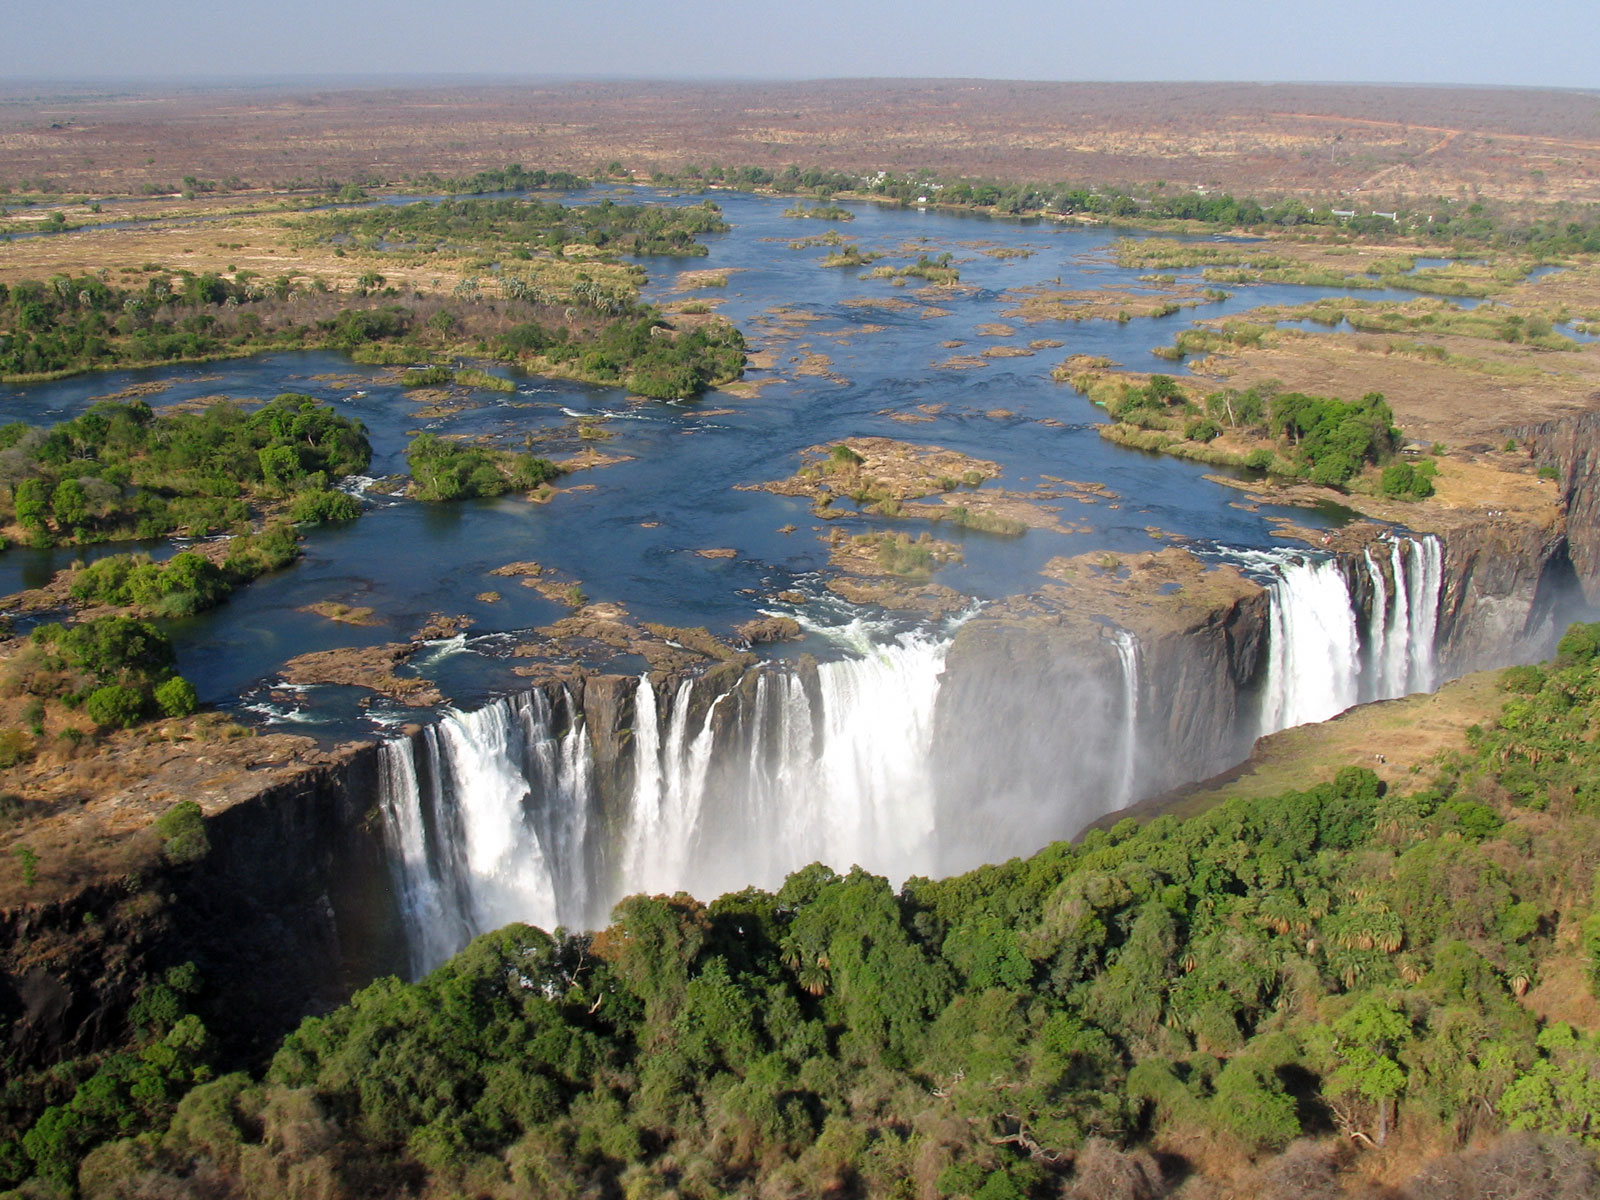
{"type": "Point", "coordinates": [1048, 721]}
{"type": "Point", "coordinates": [293, 908]}
{"type": "Point", "coordinates": [1509, 588]}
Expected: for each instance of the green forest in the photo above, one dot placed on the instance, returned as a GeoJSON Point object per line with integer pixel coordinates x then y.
{"type": "Point", "coordinates": [69, 324]}
{"type": "Point", "coordinates": [1278, 990]}
{"type": "Point", "coordinates": [1321, 439]}
{"type": "Point", "coordinates": [1553, 229]}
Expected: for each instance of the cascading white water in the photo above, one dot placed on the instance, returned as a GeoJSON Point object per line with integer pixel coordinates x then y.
{"type": "Point", "coordinates": [435, 924]}
{"type": "Point", "coordinates": [491, 826]}
{"type": "Point", "coordinates": [1314, 657]}
{"type": "Point", "coordinates": [1425, 580]}
{"type": "Point", "coordinates": [837, 771]}
{"type": "Point", "coordinates": [1128, 654]}
{"type": "Point", "coordinates": [1315, 666]}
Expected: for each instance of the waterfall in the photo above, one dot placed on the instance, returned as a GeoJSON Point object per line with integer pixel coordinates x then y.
{"type": "Point", "coordinates": [1316, 667]}
{"type": "Point", "coordinates": [435, 924]}
{"type": "Point", "coordinates": [1314, 655]}
{"type": "Point", "coordinates": [493, 815]}
{"type": "Point", "coordinates": [1128, 655]}
{"type": "Point", "coordinates": [1424, 580]}
{"type": "Point", "coordinates": [487, 813]}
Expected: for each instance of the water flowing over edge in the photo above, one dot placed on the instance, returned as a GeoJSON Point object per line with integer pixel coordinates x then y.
{"type": "Point", "coordinates": [497, 816]}
{"type": "Point", "coordinates": [1328, 651]}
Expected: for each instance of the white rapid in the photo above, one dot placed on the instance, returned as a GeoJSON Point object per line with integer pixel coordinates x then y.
{"type": "Point", "coordinates": [1326, 654]}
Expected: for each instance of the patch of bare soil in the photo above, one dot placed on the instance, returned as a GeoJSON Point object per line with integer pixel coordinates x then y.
{"type": "Point", "coordinates": [344, 614]}
{"type": "Point", "coordinates": [1043, 303]}
{"type": "Point", "coordinates": [883, 468]}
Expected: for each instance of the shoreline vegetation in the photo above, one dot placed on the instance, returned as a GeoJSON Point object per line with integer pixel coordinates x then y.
{"type": "Point", "coordinates": [1320, 440]}
{"type": "Point", "coordinates": [1343, 984]}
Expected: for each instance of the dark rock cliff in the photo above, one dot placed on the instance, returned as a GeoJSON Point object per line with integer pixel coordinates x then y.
{"type": "Point", "coordinates": [290, 910]}
{"type": "Point", "coordinates": [1034, 714]}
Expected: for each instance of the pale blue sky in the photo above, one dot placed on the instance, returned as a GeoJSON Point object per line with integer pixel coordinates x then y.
{"type": "Point", "coordinates": [1552, 43]}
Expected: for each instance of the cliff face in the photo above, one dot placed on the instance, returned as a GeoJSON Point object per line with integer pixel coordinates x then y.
{"type": "Point", "coordinates": [290, 910]}
{"type": "Point", "coordinates": [1509, 588]}
{"type": "Point", "coordinates": [1572, 446]}
{"type": "Point", "coordinates": [1044, 713]}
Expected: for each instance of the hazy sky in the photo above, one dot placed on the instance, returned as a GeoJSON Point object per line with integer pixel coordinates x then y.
{"type": "Point", "coordinates": [1537, 42]}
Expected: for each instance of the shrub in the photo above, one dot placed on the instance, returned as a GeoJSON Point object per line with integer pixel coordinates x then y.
{"type": "Point", "coordinates": [176, 697]}
{"type": "Point", "coordinates": [183, 829]}
{"type": "Point", "coordinates": [317, 505]}
{"type": "Point", "coordinates": [1403, 481]}
{"type": "Point", "coordinates": [115, 706]}
{"type": "Point", "coordinates": [14, 747]}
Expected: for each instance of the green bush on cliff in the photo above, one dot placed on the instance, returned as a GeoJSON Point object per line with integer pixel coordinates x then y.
{"type": "Point", "coordinates": [119, 668]}
{"type": "Point", "coordinates": [183, 831]}
{"type": "Point", "coordinates": [115, 706]}
{"type": "Point", "coordinates": [176, 697]}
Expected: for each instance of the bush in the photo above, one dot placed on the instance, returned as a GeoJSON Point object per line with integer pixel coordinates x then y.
{"type": "Point", "coordinates": [115, 706]}
{"type": "Point", "coordinates": [14, 747]}
{"type": "Point", "coordinates": [183, 829]}
{"type": "Point", "coordinates": [1403, 481]}
{"type": "Point", "coordinates": [176, 697]}
{"type": "Point", "coordinates": [323, 504]}
{"type": "Point", "coordinates": [110, 648]}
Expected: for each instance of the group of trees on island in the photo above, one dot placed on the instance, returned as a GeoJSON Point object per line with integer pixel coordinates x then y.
{"type": "Point", "coordinates": [1552, 229]}
{"type": "Point", "coordinates": [120, 471]}
{"type": "Point", "coordinates": [1349, 963]}
{"type": "Point", "coordinates": [1322, 439]}
{"type": "Point", "coordinates": [474, 224]}
{"type": "Point", "coordinates": [75, 323]}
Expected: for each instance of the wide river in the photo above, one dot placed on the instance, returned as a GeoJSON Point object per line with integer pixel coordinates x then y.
{"type": "Point", "coordinates": [629, 532]}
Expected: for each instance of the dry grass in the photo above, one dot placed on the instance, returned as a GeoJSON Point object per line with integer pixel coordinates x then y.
{"type": "Point", "coordinates": [1408, 734]}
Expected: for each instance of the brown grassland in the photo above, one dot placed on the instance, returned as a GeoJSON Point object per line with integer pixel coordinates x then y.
{"type": "Point", "coordinates": [1511, 144]}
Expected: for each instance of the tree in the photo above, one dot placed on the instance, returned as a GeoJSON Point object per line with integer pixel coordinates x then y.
{"type": "Point", "coordinates": [1369, 1037]}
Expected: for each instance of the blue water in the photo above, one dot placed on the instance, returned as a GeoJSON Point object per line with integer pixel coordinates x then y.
{"type": "Point", "coordinates": [628, 532]}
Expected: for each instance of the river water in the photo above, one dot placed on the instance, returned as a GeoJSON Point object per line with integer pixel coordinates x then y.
{"type": "Point", "coordinates": [629, 532]}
